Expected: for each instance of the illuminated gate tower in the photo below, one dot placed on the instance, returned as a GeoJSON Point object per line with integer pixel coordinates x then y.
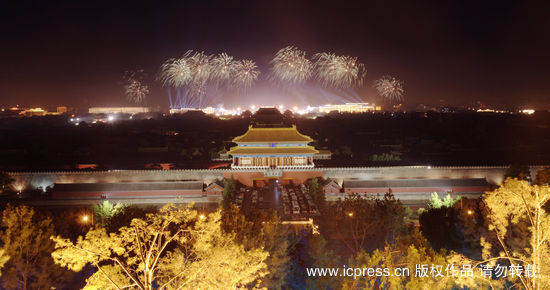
{"type": "Point", "coordinates": [279, 147]}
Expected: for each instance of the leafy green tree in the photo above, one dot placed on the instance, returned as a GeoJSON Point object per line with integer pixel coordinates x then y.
{"type": "Point", "coordinates": [26, 237]}
{"type": "Point", "coordinates": [317, 192]}
{"type": "Point", "coordinates": [173, 249]}
{"type": "Point", "coordinates": [436, 202]}
{"type": "Point", "coordinates": [106, 210]}
{"type": "Point", "coordinates": [5, 181]}
{"type": "Point", "coordinates": [229, 191]}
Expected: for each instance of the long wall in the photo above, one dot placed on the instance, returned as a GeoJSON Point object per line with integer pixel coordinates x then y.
{"type": "Point", "coordinates": [25, 180]}
{"type": "Point", "coordinates": [493, 174]}
{"type": "Point", "coordinates": [32, 180]}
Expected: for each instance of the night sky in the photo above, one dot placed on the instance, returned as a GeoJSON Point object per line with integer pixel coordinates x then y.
{"type": "Point", "coordinates": [447, 52]}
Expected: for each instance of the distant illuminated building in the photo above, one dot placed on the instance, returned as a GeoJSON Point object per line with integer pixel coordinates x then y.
{"type": "Point", "coordinates": [34, 112]}
{"type": "Point", "coordinates": [349, 108]}
{"type": "Point", "coordinates": [183, 110]}
{"type": "Point", "coordinates": [61, 110]}
{"type": "Point", "coordinates": [10, 112]}
{"type": "Point", "coordinates": [218, 112]}
{"type": "Point", "coordinates": [491, 111]}
{"type": "Point", "coordinates": [115, 110]}
{"type": "Point", "coordinates": [209, 110]}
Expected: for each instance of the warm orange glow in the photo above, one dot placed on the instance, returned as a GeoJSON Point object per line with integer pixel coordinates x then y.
{"type": "Point", "coordinates": [85, 218]}
{"type": "Point", "coordinates": [470, 212]}
{"type": "Point", "coordinates": [202, 217]}
{"type": "Point", "coordinates": [350, 214]}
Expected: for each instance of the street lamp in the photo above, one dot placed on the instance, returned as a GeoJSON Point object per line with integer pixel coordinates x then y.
{"type": "Point", "coordinates": [87, 218]}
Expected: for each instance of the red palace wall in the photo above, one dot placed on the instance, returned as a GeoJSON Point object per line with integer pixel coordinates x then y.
{"type": "Point", "coordinates": [247, 177]}
{"type": "Point", "coordinates": [126, 194]}
{"type": "Point", "coordinates": [417, 189]}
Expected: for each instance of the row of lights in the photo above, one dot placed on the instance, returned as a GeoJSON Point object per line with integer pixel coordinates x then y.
{"type": "Point", "coordinates": [86, 218]}
{"type": "Point", "coordinates": [469, 212]}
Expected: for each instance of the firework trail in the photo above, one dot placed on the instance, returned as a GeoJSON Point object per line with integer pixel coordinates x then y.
{"type": "Point", "coordinates": [245, 75]}
{"type": "Point", "coordinates": [134, 89]}
{"type": "Point", "coordinates": [291, 65]}
{"type": "Point", "coordinates": [338, 71]}
{"type": "Point", "coordinates": [389, 88]}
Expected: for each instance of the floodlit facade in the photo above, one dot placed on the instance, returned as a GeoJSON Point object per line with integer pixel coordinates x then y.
{"type": "Point", "coordinates": [281, 148]}
{"type": "Point", "coordinates": [350, 108]}
{"type": "Point", "coordinates": [115, 110]}
{"type": "Point", "coordinates": [34, 112]}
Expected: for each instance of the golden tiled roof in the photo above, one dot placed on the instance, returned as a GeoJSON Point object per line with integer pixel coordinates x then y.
{"type": "Point", "coordinates": [271, 150]}
{"type": "Point", "coordinates": [259, 135]}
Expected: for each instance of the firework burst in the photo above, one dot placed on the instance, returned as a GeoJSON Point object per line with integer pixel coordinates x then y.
{"type": "Point", "coordinates": [223, 68]}
{"type": "Point", "coordinates": [176, 72]}
{"type": "Point", "coordinates": [339, 71]}
{"type": "Point", "coordinates": [199, 64]}
{"type": "Point", "coordinates": [136, 92]}
{"type": "Point", "coordinates": [246, 74]}
{"type": "Point", "coordinates": [134, 88]}
{"type": "Point", "coordinates": [389, 88]}
{"type": "Point", "coordinates": [197, 76]}
{"type": "Point", "coordinates": [291, 65]}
